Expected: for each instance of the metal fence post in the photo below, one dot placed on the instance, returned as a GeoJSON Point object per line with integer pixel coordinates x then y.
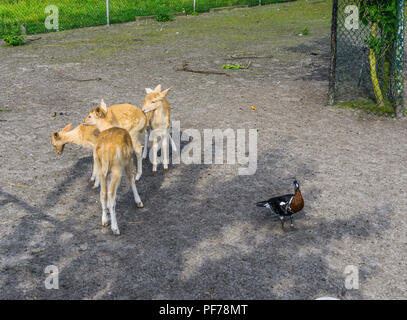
{"type": "Point", "coordinates": [194, 5]}
{"type": "Point", "coordinates": [259, 2]}
{"type": "Point", "coordinates": [399, 60]}
{"type": "Point", "coordinates": [332, 85]}
{"type": "Point", "coordinates": [107, 13]}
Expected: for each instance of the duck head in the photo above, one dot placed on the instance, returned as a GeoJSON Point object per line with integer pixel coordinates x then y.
{"type": "Point", "coordinates": [296, 185]}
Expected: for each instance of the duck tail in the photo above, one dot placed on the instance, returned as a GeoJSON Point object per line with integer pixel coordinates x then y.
{"type": "Point", "coordinates": [261, 203]}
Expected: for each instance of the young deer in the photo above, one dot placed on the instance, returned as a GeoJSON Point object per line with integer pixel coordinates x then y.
{"type": "Point", "coordinates": [85, 136]}
{"type": "Point", "coordinates": [159, 121]}
{"type": "Point", "coordinates": [113, 154]}
{"type": "Point", "coordinates": [125, 116]}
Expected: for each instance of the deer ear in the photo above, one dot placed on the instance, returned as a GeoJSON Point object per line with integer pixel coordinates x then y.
{"type": "Point", "coordinates": [158, 88]}
{"type": "Point", "coordinates": [103, 105]}
{"type": "Point", "coordinates": [99, 112]}
{"type": "Point", "coordinates": [56, 135]}
{"type": "Point", "coordinates": [164, 93]}
{"type": "Point", "coordinates": [148, 90]}
{"type": "Point", "coordinates": [67, 128]}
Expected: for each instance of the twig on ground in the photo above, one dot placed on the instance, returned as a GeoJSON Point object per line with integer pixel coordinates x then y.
{"type": "Point", "coordinates": [20, 185]}
{"type": "Point", "coordinates": [235, 56]}
{"type": "Point", "coordinates": [94, 79]}
{"type": "Point", "coordinates": [34, 39]}
{"type": "Point", "coordinates": [187, 69]}
{"type": "Point", "coordinates": [236, 67]}
{"type": "Point", "coordinates": [136, 222]}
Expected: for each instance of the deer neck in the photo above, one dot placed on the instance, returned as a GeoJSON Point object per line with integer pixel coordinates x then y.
{"type": "Point", "coordinates": [103, 124]}
{"type": "Point", "coordinates": [74, 136]}
{"type": "Point", "coordinates": [159, 114]}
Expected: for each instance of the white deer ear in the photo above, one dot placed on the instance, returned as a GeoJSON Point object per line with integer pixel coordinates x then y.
{"type": "Point", "coordinates": [103, 105]}
{"type": "Point", "coordinates": [164, 93]}
{"type": "Point", "coordinates": [158, 88]}
{"type": "Point", "coordinates": [148, 90]}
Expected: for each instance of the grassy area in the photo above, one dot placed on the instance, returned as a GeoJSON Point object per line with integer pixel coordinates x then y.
{"type": "Point", "coordinates": [368, 106]}
{"type": "Point", "coordinates": [81, 13]}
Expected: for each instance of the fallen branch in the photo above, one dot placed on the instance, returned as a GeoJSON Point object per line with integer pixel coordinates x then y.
{"type": "Point", "coordinates": [187, 69]}
{"type": "Point", "coordinates": [94, 79]}
{"type": "Point", "coordinates": [34, 39]}
{"type": "Point", "coordinates": [235, 56]}
{"type": "Point", "coordinates": [20, 185]}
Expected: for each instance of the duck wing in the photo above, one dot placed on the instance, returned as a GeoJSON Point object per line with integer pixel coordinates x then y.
{"type": "Point", "coordinates": [278, 204]}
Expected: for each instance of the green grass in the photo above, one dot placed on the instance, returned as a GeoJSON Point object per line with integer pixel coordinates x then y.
{"type": "Point", "coordinates": [81, 13]}
{"type": "Point", "coordinates": [305, 32]}
{"type": "Point", "coordinates": [368, 106]}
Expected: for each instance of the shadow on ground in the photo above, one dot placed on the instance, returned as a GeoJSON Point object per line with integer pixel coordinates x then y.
{"type": "Point", "coordinates": [214, 245]}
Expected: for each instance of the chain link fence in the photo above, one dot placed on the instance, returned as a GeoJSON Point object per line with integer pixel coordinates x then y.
{"type": "Point", "coordinates": [367, 62]}
{"type": "Point", "coordinates": [38, 16]}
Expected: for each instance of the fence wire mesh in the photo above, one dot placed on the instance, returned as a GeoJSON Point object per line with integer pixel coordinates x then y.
{"type": "Point", "coordinates": [82, 13]}
{"type": "Point", "coordinates": [363, 77]}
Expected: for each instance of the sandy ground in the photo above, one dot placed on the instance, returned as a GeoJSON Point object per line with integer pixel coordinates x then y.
{"type": "Point", "coordinates": [200, 235]}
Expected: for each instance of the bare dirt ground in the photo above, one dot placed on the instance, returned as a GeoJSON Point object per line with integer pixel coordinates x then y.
{"type": "Point", "coordinates": [200, 234]}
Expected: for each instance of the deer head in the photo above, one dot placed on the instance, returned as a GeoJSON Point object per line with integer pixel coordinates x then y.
{"type": "Point", "coordinates": [96, 115]}
{"type": "Point", "coordinates": [154, 98]}
{"type": "Point", "coordinates": [58, 140]}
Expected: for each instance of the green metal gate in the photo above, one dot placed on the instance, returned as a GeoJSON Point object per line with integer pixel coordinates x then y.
{"type": "Point", "coordinates": [366, 59]}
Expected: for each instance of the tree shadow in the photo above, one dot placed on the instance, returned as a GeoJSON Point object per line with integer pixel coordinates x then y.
{"type": "Point", "coordinates": [199, 232]}
{"type": "Point", "coordinates": [318, 51]}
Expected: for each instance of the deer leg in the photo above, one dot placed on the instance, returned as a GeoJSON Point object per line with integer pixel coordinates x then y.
{"type": "Point", "coordinates": [129, 173]}
{"type": "Point", "coordinates": [95, 173]}
{"type": "Point", "coordinates": [165, 150]}
{"type": "Point", "coordinates": [103, 200]}
{"type": "Point", "coordinates": [93, 177]}
{"type": "Point", "coordinates": [155, 150]}
{"type": "Point", "coordinates": [139, 161]}
{"type": "Point", "coordinates": [112, 191]}
{"type": "Point", "coordinates": [138, 149]}
{"type": "Point", "coordinates": [146, 136]}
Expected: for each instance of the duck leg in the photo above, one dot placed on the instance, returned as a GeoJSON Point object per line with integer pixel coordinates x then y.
{"type": "Point", "coordinates": [291, 219]}
{"type": "Point", "coordinates": [282, 222]}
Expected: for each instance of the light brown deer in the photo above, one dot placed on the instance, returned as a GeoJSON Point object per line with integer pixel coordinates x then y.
{"type": "Point", "coordinates": [128, 117]}
{"type": "Point", "coordinates": [157, 110]}
{"type": "Point", "coordinates": [113, 154]}
{"type": "Point", "coordinates": [85, 136]}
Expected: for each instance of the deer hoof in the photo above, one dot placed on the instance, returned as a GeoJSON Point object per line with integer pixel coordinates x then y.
{"type": "Point", "coordinates": [140, 205]}
{"type": "Point", "coordinates": [116, 231]}
{"type": "Point", "coordinates": [154, 171]}
{"type": "Point", "coordinates": [166, 169]}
